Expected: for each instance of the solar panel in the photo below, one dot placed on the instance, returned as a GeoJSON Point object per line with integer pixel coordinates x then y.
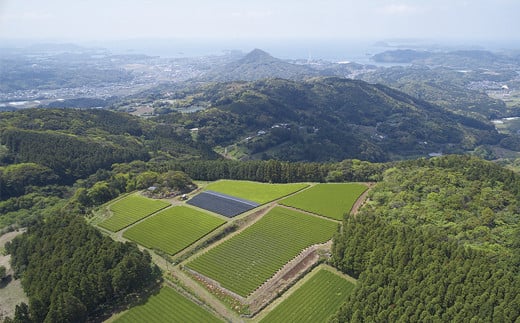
{"type": "Point", "coordinates": [223, 204]}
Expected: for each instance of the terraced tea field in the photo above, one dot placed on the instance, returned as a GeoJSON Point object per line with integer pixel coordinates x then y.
{"type": "Point", "coordinates": [173, 229]}
{"type": "Point", "coordinates": [330, 200]}
{"type": "Point", "coordinates": [254, 191]}
{"type": "Point", "coordinates": [248, 259]}
{"type": "Point", "coordinates": [131, 209]}
{"type": "Point", "coordinates": [315, 301]}
{"type": "Point", "coordinates": [167, 306]}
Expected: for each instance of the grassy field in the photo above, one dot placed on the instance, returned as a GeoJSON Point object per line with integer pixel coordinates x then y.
{"type": "Point", "coordinates": [330, 200]}
{"type": "Point", "coordinates": [130, 210]}
{"type": "Point", "coordinates": [315, 301]}
{"type": "Point", "coordinates": [167, 306]}
{"type": "Point", "coordinates": [245, 261]}
{"type": "Point", "coordinates": [253, 191]}
{"type": "Point", "coordinates": [173, 229]}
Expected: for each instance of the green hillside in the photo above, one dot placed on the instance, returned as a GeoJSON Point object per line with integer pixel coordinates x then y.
{"type": "Point", "coordinates": [324, 119]}
{"type": "Point", "coordinates": [439, 240]}
{"type": "Point", "coordinates": [76, 143]}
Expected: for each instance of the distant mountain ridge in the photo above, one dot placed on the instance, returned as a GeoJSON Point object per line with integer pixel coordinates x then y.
{"type": "Point", "coordinates": [458, 58]}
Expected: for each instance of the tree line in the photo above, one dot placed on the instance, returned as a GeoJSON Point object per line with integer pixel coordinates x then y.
{"type": "Point", "coordinates": [273, 171]}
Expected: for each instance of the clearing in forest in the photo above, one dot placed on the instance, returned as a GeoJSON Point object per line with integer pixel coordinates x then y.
{"type": "Point", "coordinates": [173, 229]}
{"type": "Point", "coordinates": [131, 209]}
{"type": "Point", "coordinates": [254, 191]}
{"type": "Point", "coordinates": [314, 301]}
{"type": "Point", "coordinates": [168, 306]}
{"type": "Point", "coordinates": [330, 200]}
{"type": "Point", "coordinates": [242, 263]}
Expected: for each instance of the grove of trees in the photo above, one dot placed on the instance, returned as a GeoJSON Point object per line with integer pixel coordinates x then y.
{"type": "Point", "coordinates": [71, 272]}
{"type": "Point", "coordinates": [439, 240]}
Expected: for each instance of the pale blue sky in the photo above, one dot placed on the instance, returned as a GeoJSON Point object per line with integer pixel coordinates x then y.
{"type": "Point", "coordinates": [100, 20]}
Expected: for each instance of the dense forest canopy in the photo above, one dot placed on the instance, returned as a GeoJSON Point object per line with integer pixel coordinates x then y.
{"type": "Point", "coordinates": [76, 143]}
{"type": "Point", "coordinates": [71, 272]}
{"type": "Point", "coordinates": [439, 240]}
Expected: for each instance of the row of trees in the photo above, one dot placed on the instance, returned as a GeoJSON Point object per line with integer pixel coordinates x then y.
{"type": "Point", "coordinates": [71, 272]}
{"type": "Point", "coordinates": [273, 171]}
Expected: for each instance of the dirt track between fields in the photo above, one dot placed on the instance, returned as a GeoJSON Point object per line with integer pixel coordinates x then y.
{"type": "Point", "coordinates": [361, 200]}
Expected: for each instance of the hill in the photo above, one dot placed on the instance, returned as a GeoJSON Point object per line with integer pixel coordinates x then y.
{"type": "Point", "coordinates": [323, 119]}
{"type": "Point", "coordinates": [438, 241]}
{"type": "Point", "coordinates": [258, 65]}
{"type": "Point", "coordinates": [76, 143]}
{"type": "Point", "coordinates": [456, 59]}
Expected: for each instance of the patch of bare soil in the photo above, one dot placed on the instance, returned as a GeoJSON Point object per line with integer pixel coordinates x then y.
{"type": "Point", "coordinates": [9, 236]}
{"type": "Point", "coordinates": [11, 291]}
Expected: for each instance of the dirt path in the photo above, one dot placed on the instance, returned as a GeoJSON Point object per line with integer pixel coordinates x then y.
{"type": "Point", "coordinates": [206, 296]}
{"type": "Point", "coordinates": [6, 237]}
{"type": "Point", "coordinates": [361, 200]}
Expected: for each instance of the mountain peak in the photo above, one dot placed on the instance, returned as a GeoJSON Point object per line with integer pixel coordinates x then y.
{"type": "Point", "coordinates": [257, 55]}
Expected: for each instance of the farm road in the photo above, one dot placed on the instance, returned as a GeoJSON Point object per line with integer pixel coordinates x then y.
{"type": "Point", "coordinates": [206, 296]}
{"type": "Point", "coordinates": [361, 200]}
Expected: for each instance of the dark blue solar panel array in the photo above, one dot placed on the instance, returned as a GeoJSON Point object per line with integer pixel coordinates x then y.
{"type": "Point", "coordinates": [226, 205]}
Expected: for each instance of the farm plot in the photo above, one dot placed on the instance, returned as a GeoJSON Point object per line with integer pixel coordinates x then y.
{"type": "Point", "coordinates": [242, 263]}
{"type": "Point", "coordinates": [315, 301]}
{"type": "Point", "coordinates": [167, 306]}
{"type": "Point", "coordinates": [330, 200]}
{"type": "Point", "coordinates": [173, 229]}
{"type": "Point", "coordinates": [222, 204]}
{"type": "Point", "coordinates": [131, 209]}
{"type": "Point", "coordinates": [254, 191]}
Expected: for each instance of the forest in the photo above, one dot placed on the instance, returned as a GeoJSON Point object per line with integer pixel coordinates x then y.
{"type": "Point", "coordinates": [438, 241]}
{"type": "Point", "coordinates": [71, 272]}
{"type": "Point", "coordinates": [319, 120]}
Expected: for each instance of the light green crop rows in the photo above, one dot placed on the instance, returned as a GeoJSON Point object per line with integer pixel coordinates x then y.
{"type": "Point", "coordinates": [315, 301]}
{"type": "Point", "coordinates": [168, 306]}
{"type": "Point", "coordinates": [330, 200]}
{"type": "Point", "coordinates": [253, 191]}
{"type": "Point", "coordinates": [173, 229]}
{"type": "Point", "coordinates": [245, 261]}
{"type": "Point", "coordinates": [130, 210]}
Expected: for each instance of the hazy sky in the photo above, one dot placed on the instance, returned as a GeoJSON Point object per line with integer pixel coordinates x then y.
{"type": "Point", "coordinates": [80, 20]}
